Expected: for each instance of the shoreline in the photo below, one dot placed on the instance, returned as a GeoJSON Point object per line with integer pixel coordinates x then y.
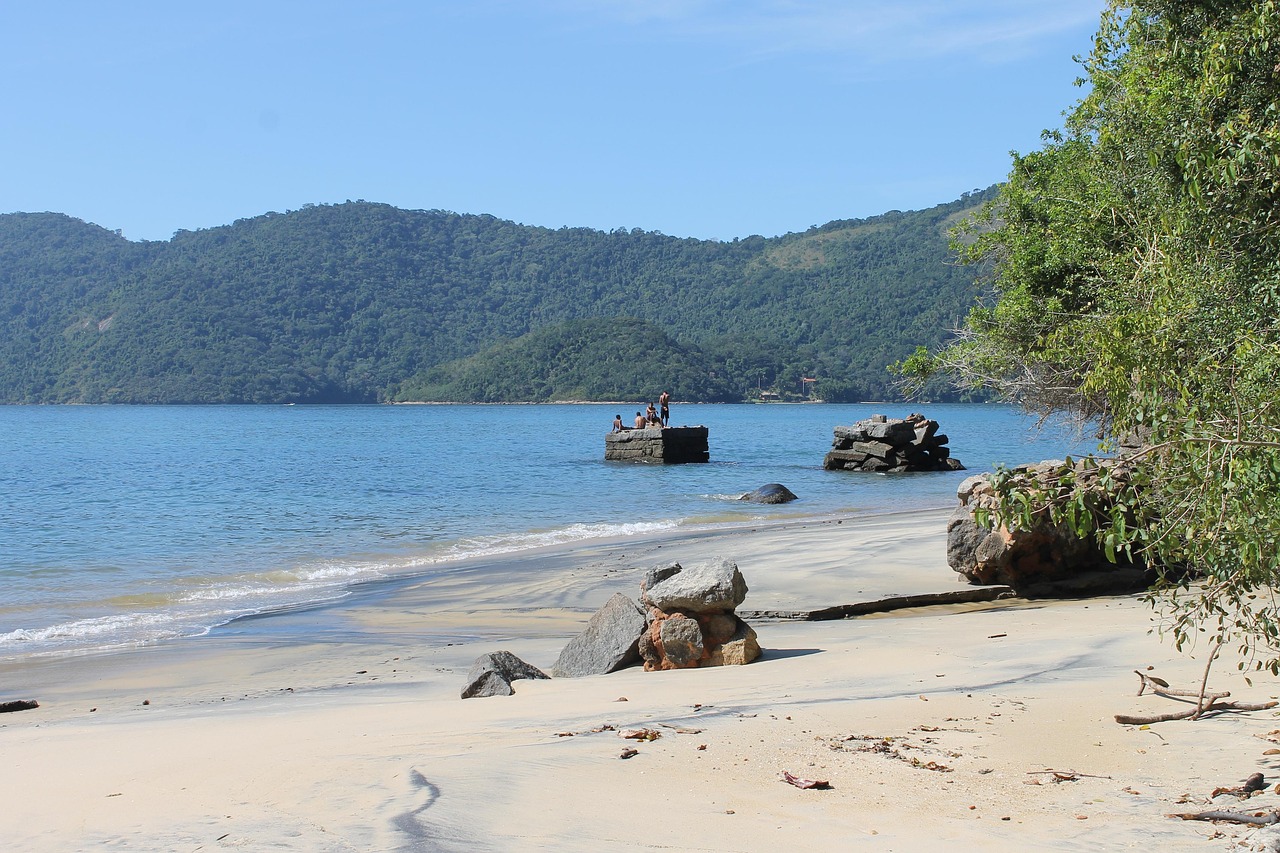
{"type": "Point", "coordinates": [339, 726]}
{"type": "Point", "coordinates": [490, 550]}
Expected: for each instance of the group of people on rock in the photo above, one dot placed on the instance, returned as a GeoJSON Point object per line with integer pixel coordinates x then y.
{"type": "Point", "coordinates": [659, 416]}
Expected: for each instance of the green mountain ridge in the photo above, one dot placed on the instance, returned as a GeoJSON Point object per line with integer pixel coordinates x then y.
{"type": "Point", "coordinates": [364, 302]}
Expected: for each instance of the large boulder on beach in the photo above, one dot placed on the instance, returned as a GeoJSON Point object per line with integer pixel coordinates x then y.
{"type": "Point", "coordinates": [611, 641]}
{"type": "Point", "coordinates": [770, 493]}
{"type": "Point", "coordinates": [1046, 559]}
{"type": "Point", "coordinates": [492, 674]}
{"type": "Point", "coordinates": [715, 585]}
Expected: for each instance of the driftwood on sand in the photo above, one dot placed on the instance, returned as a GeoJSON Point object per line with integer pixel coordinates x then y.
{"type": "Point", "coordinates": [884, 605]}
{"type": "Point", "coordinates": [18, 705]}
{"type": "Point", "coordinates": [1255, 783]}
{"type": "Point", "coordinates": [1255, 819]}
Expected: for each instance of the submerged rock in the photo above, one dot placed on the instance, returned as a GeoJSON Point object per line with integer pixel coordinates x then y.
{"type": "Point", "coordinates": [770, 493]}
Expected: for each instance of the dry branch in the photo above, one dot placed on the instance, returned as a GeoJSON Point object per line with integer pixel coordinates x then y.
{"type": "Point", "coordinates": [1255, 819]}
{"type": "Point", "coordinates": [1205, 702]}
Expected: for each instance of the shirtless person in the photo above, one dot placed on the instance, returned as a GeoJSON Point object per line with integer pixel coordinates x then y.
{"type": "Point", "coordinates": [640, 422]}
{"type": "Point", "coordinates": [664, 410]}
{"type": "Point", "coordinates": [651, 415]}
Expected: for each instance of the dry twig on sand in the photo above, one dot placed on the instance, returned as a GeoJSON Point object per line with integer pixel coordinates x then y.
{"type": "Point", "coordinates": [1254, 819]}
{"type": "Point", "coordinates": [1206, 702]}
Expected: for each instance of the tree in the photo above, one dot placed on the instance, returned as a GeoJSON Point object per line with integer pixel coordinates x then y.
{"type": "Point", "coordinates": [1135, 265]}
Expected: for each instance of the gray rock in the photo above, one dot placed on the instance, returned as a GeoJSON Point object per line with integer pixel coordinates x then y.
{"type": "Point", "coordinates": [610, 641]}
{"type": "Point", "coordinates": [681, 639]}
{"type": "Point", "coordinates": [492, 674]}
{"type": "Point", "coordinates": [770, 493]}
{"type": "Point", "coordinates": [658, 574]}
{"type": "Point", "coordinates": [713, 585]}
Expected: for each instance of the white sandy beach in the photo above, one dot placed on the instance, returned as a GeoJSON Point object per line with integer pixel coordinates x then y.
{"type": "Point", "coordinates": [340, 728]}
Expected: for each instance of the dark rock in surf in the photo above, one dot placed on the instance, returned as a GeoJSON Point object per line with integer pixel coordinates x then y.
{"type": "Point", "coordinates": [770, 493]}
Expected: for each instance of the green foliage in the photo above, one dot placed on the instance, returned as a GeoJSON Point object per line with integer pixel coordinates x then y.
{"type": "Point", "coordinates": [348, 302]}
{"type": "Point", "coordinates": [596, 359]}
{"type": "Point", "coordinates": [1136, 258]}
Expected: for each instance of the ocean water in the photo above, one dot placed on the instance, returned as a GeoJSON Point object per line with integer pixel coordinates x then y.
{"type": "Point", "coordinates": [126, 525]}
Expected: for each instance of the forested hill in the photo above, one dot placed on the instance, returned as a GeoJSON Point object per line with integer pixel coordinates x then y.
{"type": "Point", "coordinates": [364, 302]}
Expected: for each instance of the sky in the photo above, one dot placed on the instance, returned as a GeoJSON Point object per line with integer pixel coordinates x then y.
{"type": "Point", "coordinates": [713, 119]}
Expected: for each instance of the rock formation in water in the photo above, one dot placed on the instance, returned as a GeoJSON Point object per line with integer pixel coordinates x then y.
{"type": "Point", "coordinates": [890, 445]}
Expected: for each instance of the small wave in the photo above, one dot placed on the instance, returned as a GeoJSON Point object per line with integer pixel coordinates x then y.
{"type": "Point", "coordinates": [488, 546]}
{"type": "Point", "coordinates": [736, 496]}
{"type": "Point", "coordinates": [121, 629]}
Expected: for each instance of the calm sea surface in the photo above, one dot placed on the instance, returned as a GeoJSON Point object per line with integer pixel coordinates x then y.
{"type": "Point", "coordinates": [123, 525]}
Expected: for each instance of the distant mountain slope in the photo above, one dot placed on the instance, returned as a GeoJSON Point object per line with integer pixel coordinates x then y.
{"type": "Point", "coordinates": [590, 359]}
{"type": "Point", "coordinates": [361, 301]}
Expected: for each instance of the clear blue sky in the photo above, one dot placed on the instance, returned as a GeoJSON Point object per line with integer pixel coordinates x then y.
{"type": "Point", "coordinates": [702, 118]}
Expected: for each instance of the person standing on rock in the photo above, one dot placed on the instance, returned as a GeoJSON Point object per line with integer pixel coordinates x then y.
{"type": "Point", "coordinates": [664, 408]}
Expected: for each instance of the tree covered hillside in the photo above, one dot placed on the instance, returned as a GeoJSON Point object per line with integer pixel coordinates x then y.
{"type": "Point", "coordinates": [365, 302]}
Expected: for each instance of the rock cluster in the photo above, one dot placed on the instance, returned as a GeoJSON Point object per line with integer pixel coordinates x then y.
{"type": "Point", "coordinates": [1046, 560]}
{"type": "Point", "coordinates": [691, 617]}
{"type": "Point", "coordinates": [687, 620]}
{"type": "Point", "coordinates": [882, 444]}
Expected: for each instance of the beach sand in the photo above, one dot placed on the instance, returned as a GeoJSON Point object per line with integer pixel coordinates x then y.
{"type": "Point", "coordinates": [339, 728]}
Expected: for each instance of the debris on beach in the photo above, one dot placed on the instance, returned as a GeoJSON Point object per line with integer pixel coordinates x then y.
{"type": "Point", "coordinates": [893, 747]}
{"type": "Point", "coordinates": [1207, 702]}
{"type": "Point", "coordinates": [816, 784]}
{"type": "Point", "coordinates": [18, 705]}
{"type": "Point", "coordinates": [640, 734]}
{"type": "Point", "coordinates": [1255, 782]}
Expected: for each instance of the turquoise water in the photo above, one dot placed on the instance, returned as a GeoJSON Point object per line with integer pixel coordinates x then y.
{"type": "Point", "coordinates": [124, 525]}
